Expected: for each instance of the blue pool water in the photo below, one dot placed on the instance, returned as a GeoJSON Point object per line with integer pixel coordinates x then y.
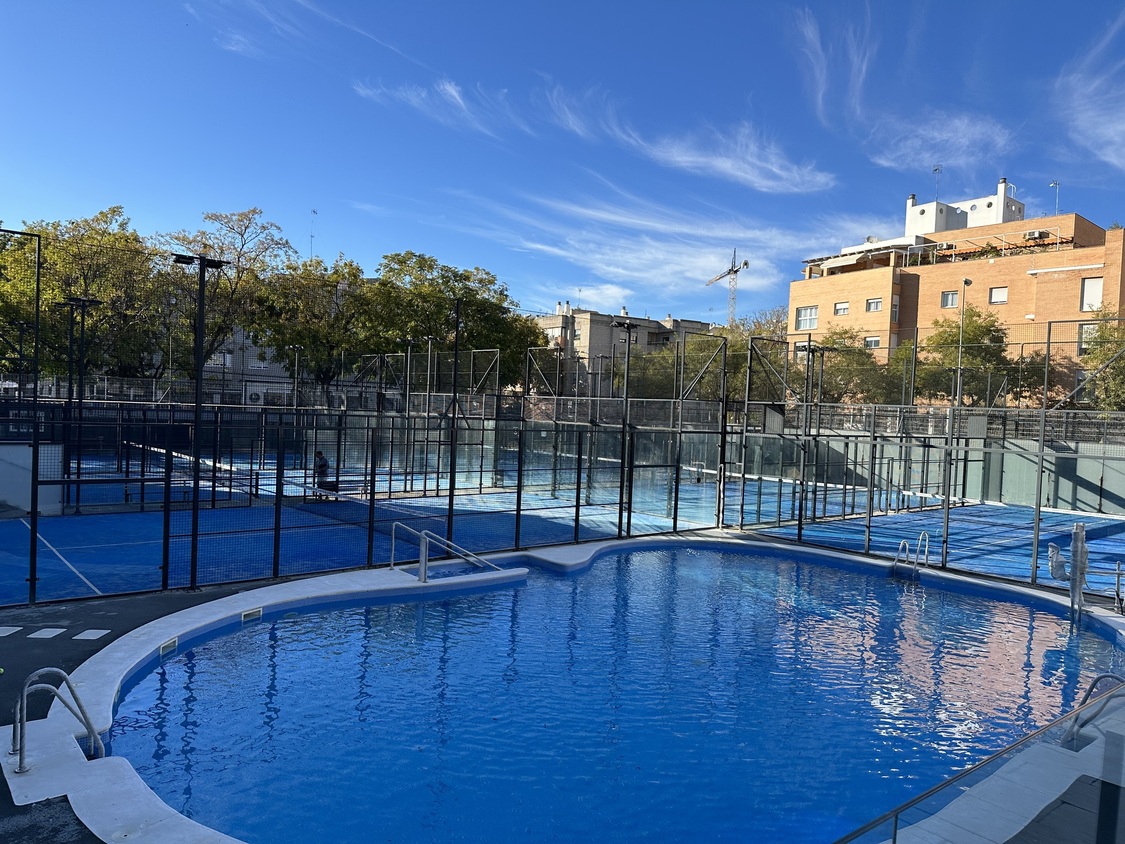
{"type": "Point", "coordinates": [671, 694]}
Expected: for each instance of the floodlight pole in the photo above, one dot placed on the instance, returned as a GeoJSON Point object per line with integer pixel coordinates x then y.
{"type": "Point", "coordinates": [204, 263]}
{"type": "Point", "coordinates": [966, 284]}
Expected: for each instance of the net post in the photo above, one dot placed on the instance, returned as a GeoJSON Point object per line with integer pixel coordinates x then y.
{"type": "Point", "coordinates": [578, 485]}
{"type": "Point", "coordinates": [278, 492]}
{"type": "Point", "coordinates": [519, 478]}
{"type": "Point", "coordinates": [371, 435]}
{"type": "Point", "coordinates": [166, 543]}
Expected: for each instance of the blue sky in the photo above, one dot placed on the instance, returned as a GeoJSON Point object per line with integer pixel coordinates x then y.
{"type": "Point", "coordinates": [608, 153]}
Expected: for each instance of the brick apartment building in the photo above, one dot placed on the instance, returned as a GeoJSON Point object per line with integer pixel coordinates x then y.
{"type": "Point", "coordinates": [1028, 272]}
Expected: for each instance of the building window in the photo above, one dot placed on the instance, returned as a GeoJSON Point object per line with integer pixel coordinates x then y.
{"type": "Point", "coordinates": [874, 305]}
{"type": "Point", "coordinates": [870, 342]}
{"type": "Point", "coordinates": [1081, 380]}
{"type": "Point", "coordinates": [1087, 331]}
{"type": "Point", "coordinates": [840, 309]}
{"type": "Point", "coordinates": [894, 309]}
{"type": "Point", "coordinates": [949, 298]}
{"type": "Point", "coordinates": [806, 318]}
{"type": "Point", "coordinates": [998, 295]}
{"type": "Point", "coordinates": [1091, 294]}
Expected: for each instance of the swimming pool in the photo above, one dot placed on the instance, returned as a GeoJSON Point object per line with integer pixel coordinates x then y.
{"type": "Point", "coordinates": [676, 692]}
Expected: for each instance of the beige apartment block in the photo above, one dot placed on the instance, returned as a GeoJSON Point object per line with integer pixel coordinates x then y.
{"type": "Point", "coordinates": [1057, 269]}
{"type": "Point", "coordinates": [590, 343]}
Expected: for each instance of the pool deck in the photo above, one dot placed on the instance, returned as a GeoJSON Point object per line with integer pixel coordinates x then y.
{"type": "Point", "coordinates": [1031, 799]}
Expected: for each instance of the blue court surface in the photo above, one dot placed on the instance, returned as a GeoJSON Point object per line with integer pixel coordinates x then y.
{"type": "Point", "coordinates": [983, 538]}
{"type": "Point", "coordinates": [110, 553]}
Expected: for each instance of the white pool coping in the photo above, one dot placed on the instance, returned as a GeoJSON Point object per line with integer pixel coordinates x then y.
{"type": "Point", "coordinates": [110, 798]}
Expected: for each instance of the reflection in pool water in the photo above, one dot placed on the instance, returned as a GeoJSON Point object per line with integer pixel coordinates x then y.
{"type": "Point", "coordinates": [665, 694]}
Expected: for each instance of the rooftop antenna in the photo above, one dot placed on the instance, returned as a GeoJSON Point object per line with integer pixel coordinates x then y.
{"type": "Point", "coordinates": [312, 219]}
{"type": "Point", "coordinates": [937, 180]}
{"type": "Point", "coordinates": [1055, 185]}
{"type": "Point", "coordinates": [732, 274]}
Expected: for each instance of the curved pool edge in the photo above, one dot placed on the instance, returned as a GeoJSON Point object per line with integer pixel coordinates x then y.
{"type": "Point", "coordinates": [109, 797]}
{"type": "Point", "coordinates": [107, 794]}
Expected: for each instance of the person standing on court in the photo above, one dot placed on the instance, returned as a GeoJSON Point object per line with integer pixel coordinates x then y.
{"type": "Point", "coordinates": [320, 470]}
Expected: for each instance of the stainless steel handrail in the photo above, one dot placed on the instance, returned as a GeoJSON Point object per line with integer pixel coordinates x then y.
{"type": "Point", "coordinates": [903, 545]}
{"type": "Point", "coordinates": [924, 535]}
{"type": "Point", "coordinates": [19, 725]}
{"type": "Point", "coordinates": [893, 815]}
{"type": "Point", "coordinates": [425, 537]}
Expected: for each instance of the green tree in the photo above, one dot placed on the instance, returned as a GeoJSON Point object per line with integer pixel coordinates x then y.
{"type": "Point", "coordinates": [312, 309]}
{"type": "Point", "coordinates": [983, 358]}
{"type": "Point", "coordinates": [252, 248]}
{"type": "Point", "coordinates": [1104, 361]}
{"type": "Point", "coordinates": [845, 370]}
{"type": "Point", "coordinates": [768, 327]}
{"type": "Point", "coordinates": [414, 298]}
{"type": "Point", "coordinates": [99, 271]}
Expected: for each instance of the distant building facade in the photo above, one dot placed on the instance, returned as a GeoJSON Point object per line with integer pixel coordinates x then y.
{"type": "Point", "coordinates": [590, 342]}
{"type": "Point", "coordinates": [1027, 272]}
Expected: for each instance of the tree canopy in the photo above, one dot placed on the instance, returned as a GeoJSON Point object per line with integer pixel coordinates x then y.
{"type": "Point", "coordinates": [135, 309]}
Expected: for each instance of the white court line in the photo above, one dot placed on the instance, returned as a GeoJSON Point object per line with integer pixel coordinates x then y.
{"type": "Point", "coordinates": [66, 562]}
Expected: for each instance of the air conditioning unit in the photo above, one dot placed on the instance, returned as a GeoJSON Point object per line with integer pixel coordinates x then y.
{"type": "Point", "coordinates": [253, 397]}
{"type": "Point", "coordinates": [944, 246]}
{"type": "Point", "coordinates": [1036, 234]}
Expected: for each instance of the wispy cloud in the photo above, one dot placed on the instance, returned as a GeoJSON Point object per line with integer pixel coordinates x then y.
{"type": "Point", "coordinates": [1090, 96]}
{"type": "Point", "coordinates": [234, 42]}
{"type": "Point", "coordinates": [626, 251]}
{"type": "Point", "coordinates": [741, 155]}
{"type": "Point", "coordinates": [860, 48]}
{"type": "Point", "coordinates": [937, 136]}
{"type": "Point", "coordinates": [487, 112]}
{"type": "Point", "coordinates": [906, 139]}
{"type": "Point", "coordinates": [315, 9]}
{"type": "Point", "coordinates": [846, 61]}
{"type": "Point", "coordinates": [578, 114]}
{"type": "Point", "coordinates": [815, 65]}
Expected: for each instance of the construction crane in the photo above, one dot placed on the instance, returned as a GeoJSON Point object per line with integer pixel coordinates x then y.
{"type": "Point", "coordinates": [732, 274]}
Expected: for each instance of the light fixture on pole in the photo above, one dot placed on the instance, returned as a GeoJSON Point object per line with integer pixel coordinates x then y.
{"type": "Point", "coordinates": [966, 284]}
{"type": "Point", "coordinates": [1055, 185]}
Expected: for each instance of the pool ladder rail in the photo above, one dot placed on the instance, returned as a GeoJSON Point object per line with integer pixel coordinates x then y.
{"type": "Point", "coordinates": [74, 706]}
{"type": "Point", "coordinates": [426, 537]}
{"type": "Point", "coordinates": [921, 553]}
{"type": "Point", "coordinates": [1100, 686]}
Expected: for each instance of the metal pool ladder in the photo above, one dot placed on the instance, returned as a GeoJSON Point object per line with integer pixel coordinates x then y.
{"type": "Point", "coordinates": [903, 553]}
{"type": "Point", "coordinates": [19, 724]}
{"type": "Point", "coordinates": [424, 538]}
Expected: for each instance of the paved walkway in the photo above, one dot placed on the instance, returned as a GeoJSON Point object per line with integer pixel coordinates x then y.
{"type": "Point", "coordinates": [64, 636]}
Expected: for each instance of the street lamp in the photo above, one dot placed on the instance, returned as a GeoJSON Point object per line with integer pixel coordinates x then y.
{"type": "Point", "coordinates": [204, 263]}
{"type": "Point", "coordinates": [1055, 184]}
{"type": "Point", "coordinates": [967, 283]}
